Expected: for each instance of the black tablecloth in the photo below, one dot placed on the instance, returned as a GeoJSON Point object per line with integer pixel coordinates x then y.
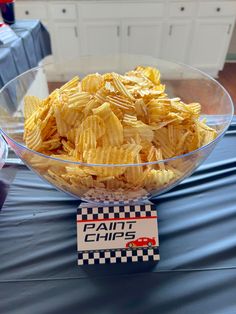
{"type": "Point", "coordinates": [196, 274]}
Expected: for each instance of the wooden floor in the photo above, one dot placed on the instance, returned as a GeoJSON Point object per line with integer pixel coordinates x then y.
{"type": "Point", "coordinates": [54, 85]}
{"type": "Point", "coordinates": [227, 77]}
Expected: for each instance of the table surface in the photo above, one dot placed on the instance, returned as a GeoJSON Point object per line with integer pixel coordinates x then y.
{"type": "Point", "coordinates": [197, 230]}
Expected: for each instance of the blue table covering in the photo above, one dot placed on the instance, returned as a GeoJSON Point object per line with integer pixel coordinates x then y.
{"type": "Point", "coordinates": [24, 53]}
{"type": "Point", "coordinates": [196, 273]}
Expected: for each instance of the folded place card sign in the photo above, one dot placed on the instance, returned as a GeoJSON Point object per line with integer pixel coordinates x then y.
{"type": "Point", "coordinates": [117, 234]}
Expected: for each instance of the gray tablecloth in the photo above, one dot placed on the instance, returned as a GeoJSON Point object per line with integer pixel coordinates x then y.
{"type": "Point", "coordinates": [32, 45]}
{"type": "Point", "coordinates": [196, 273]}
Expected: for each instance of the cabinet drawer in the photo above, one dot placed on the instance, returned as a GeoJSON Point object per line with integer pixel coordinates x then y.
{"type": "Point", "coordinates": [120, 10]}
{"type": "Point", "coordinates": [63, 11]}
{"type": "Point", "coordinates": [28, 10]}
{"type": "Point", "coordinates": [217, 8]}
{"type": "Point", "coordinates": [182, 9]}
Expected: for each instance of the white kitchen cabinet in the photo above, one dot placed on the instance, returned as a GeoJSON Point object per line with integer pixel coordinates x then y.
{"type": "Point", "coordinates": [66, 40]}
{"type": "Point", "coordinates": [99, 37]}
{"type": "Point", "coordinates": [142, 37]}
{"type": "Point", "coordinates": [210, 43]}
{"type": "Point", "coordinates": [196, 32]}
{"type": "Point", "coordinates": [176, 41]}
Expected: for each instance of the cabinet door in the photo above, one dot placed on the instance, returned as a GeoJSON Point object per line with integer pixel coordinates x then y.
{"type": "Point", "coordinates": [210, 42]}
{"type": "Point", "coordinates": [176, 41]}
{"type": "Point", "coordinates": [66, 40]}
{"type": "Point", "coordinates": [100, 37]}
{"type": "Point", "coordinates": [142, 37]}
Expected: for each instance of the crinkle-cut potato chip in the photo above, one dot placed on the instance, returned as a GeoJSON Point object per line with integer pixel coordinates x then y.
{"type": "Point", "coordinates": [115, 184]}
{"type": "Point", "coordinates": [130, 133]}
{"type": "Point", "coordinates": [71, 117]}
{"type": "Point", "coordinates": [78, 100]}
{"type": "Point", "coordinates": [109, 87]}
{"type": "Point", "coordinates": [113, 119]}
{"type": "Point", "coordinates": [158, 111]}
{"type": "Point", "coordinates": [194, 107]}
{"type": "Point", "coordinates": [104, 111]}
{"type": "Point", "coordinates": [144, 130]}
{"type": "Point", "coordinates": [130, 119]}
{"type": "Point", "coordinates": [121, 87]}
{"type": "Point", "coordinates": [141, 110]}
{"type": "Point", "coordinates": [30, 123]}
{"type": "Point", "coordinates": [108, 155]}
{"type": "Point", "coordinates": [101, 96]}
{"type": "Point", "coordinates": [113, 126]}
{"type": "Point", "coordinates": [71, 135]}
{"type": "Point", "coordinates": [86, 140]}
{"type": "Point", "coordinates": [96, 124]}
{"type": "Point", "coordinates": [151, 73]}
{"type": "Point", "coordinates": [33, 138]}
{"type": "Point", "coordinates": [62, 127]}
{"type": "Point", "coordinates": [132, 148]}
{"type": "Point", "coordinates": [51, 144]}
{"type": "Point", "coordinates": [104, 141]}
{"type": "Point", "coordinates": [68, 147]}
{"type": "Point", "coordinates": [118, 112]}
{"type": "Point", "coordinates": [31, 104]}
{"type": "Point", "coordinates": [111, 155]}
{"type": "Point", "coordinates": [209, 137]}
{"type": "Point", "coordinates": [71, 84]}
{"type": "Point", "coordinates": [75, 170]}
{"type": "Point", "coordinates": [114, 130]}
{"type": "Point", "coordinates": [92, 104]}
{"type": "Point", "coordinates": [151, 92]}
{"type": "Point", "coordinates": [154, 155]}
{"type": "Point", "coordinates": [156, 178]}
{"type": "Point", "coordinates": [135, 174]}
{"type": "Point", "coordinates": [92, 83]}
{"type": "Point", "coordinates": [121, 102]}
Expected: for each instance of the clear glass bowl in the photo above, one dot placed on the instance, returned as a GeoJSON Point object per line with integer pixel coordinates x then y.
{"type": "Point", "coordinates": [181, 81]}
{"type": "Point", "coordinates": [3, 151]}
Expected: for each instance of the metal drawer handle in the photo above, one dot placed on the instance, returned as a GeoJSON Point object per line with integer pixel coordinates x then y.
{"type": "Point", "coordinates": [118, 31]}
{"type": "Point", "coordinates": [170, 30]}
{"type": "Point", "coordinates": [182, 9]}
{"type": "Point", "coordinates": [128, 31]}
{"type": "Point", "coordinates": [218, 9]}
{"type": "Point", "coordinates": [63, 10]}
{"type": "Point", "coordinates": [27, 12]}
{"type": "Point", "coordinates": [76, 32]}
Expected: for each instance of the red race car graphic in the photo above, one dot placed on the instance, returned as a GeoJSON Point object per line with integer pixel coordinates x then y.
{"type": "Point", "coordinates": [144, 241]}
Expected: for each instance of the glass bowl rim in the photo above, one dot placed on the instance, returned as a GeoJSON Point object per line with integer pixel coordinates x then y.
{"type": "Point", "coordinates": [202, 148]}
{"type": "Point", "coordinates": [4, 148]}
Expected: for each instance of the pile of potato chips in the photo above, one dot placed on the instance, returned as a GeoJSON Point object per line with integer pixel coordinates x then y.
{"type": "Point", "coordinates": [112, 119]}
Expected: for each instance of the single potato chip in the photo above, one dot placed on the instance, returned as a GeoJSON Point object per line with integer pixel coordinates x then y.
{"type": "Point", "coordinates": [96, 124]}
{"type": "Point", "coordinates": [92, 83]}
{"type": "Point", "coordinates": [31, 104]}
{"type": "Point", "coordinates": [86, 140]}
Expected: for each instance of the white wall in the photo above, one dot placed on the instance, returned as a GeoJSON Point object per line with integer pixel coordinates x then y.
{"type": "Point", "coordinates": [232, 47]}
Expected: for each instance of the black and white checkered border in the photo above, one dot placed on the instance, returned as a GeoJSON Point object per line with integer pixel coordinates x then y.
{"type": "Point", "coordinates": [118, 256]}
{"type": "Point", "coordinates": [112, 212]}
